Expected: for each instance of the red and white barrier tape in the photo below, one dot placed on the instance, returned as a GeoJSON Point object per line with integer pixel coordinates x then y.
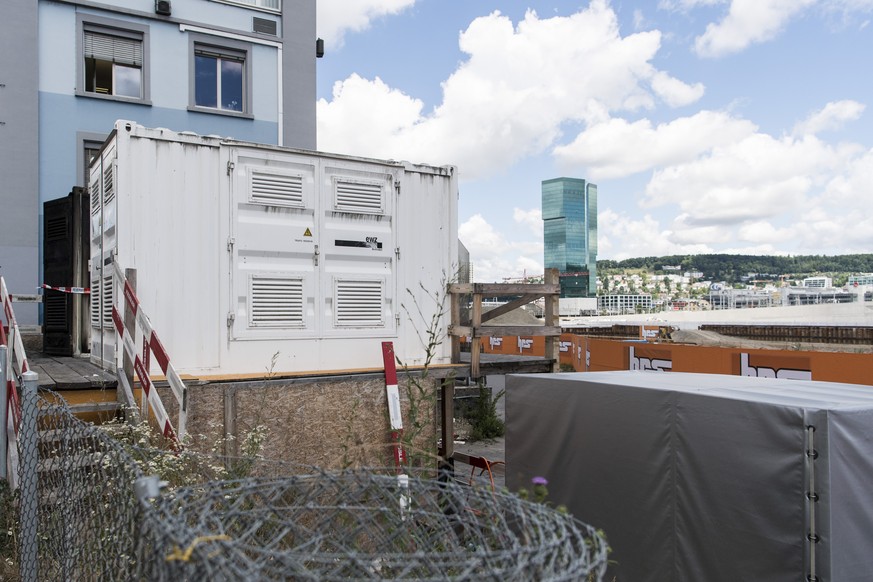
{"type": "Point", "coordinates": [151, 343]}
{"type": "Point", "coordinates": [75, 290]}
{"type": "Point", "coordinates": [17, 347]}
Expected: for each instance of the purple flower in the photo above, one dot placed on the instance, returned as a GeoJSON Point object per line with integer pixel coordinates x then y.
{"type": "Point", "coordinates": [540, 481]}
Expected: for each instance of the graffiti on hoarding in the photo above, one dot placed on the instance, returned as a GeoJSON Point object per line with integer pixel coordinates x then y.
{"type": "Point", "coordinates": [775, 367]}
{"type": "Point", "coordinates": [655, 364]}
{"type": "Point", "coordinates": [495, 342]}
{"type": "Point", "coordinates": [564, 346]}
{"type": "Point", "coordinates": [525, 344]}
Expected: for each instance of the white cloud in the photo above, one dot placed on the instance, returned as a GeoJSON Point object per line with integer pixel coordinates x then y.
{"type": "Point", "coordinates": [519, 85]}
{"type": "Point", "coordinates": [833, 116]}
{"type": "Point", "coordinates": [618, 148]}
{"type": "Point", "coordinates": [674, 92]}
{"type": "Point", "coordinates": [362, 109]}
{"type": "Point", "coordinates": [532, 218]}
{"type": "Point", "coordinates": [620, 237]}
{"type": "Point", "coordinates": [747, 22]}
{"type": "Point", "coordinates": [755, 178]}
{"type": "Point", "coordinates": [495, 256]}
{"type": "Point", "coordinates": [336, 17]}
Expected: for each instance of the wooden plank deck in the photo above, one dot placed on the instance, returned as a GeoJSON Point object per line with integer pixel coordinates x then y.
{"type": "Point", "coordinates": [69, 373]}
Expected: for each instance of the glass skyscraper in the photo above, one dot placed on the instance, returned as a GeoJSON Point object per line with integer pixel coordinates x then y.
{"type": "Point", "coordinates": [570, 234]}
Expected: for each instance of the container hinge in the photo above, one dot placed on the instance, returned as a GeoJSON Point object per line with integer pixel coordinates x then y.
{"type": "Point", "coordinates": [230, 167]}
{"type": "Point", "coordinates": [397, 252]}
{"type": "Point", "coordinates": [231, 316]}
{"type": "Point", "coordinates": [397, 187]}
{"type": "Point", "coordinates": [230, 243]}
{"type": "Point", "coordinates": [315, 255]}
{"type": "Point", "coordinates": [397, 319]}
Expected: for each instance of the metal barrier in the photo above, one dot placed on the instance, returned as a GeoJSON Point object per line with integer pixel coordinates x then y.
{"type": "Point", "coordinates": [92, 509]}
{"type": "Point", "coordinates": [150, 345]}
{"type": "Point", "coordinates": [13, 361]}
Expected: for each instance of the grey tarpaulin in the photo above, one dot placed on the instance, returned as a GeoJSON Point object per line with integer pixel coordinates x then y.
{"type": "Point", "coordinates": [704, 477]}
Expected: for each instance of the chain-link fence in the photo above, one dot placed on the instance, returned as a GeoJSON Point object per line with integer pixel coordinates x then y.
{"type": "Point", "coordinates": [88, 511]}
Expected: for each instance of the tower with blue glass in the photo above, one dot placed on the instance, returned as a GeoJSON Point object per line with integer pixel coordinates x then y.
{"type": "Point", "coordinates": [570, 234]}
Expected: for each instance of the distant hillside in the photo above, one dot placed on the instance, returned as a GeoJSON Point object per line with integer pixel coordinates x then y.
{"type": "Point", "coordinates": [732, 268]}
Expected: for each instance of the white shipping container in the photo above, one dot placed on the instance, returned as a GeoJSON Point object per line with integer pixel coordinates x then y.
{"type": "Point", "coordinates": [244, 250]}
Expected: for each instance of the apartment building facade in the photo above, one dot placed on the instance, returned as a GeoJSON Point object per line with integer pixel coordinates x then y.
{"type": "Point", "coordinates": [70, 68]}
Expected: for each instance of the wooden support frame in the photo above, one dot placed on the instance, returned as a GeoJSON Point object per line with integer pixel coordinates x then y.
{"type": "Point", "coordinates": [550, 289]}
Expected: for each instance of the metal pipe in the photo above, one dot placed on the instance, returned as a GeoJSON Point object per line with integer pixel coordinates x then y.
{"type": "Point", "coordinates": [29, 484]}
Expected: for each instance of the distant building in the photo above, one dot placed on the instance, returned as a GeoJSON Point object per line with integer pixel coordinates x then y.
{"type": "Point", "coordinates": [570, 234]}
{"type": "Point", "coordinates": [622, 304]}
{"type": "Point", "coordinates": [859, 280]}
{"type": "Point", "coordinates": [820, 282]}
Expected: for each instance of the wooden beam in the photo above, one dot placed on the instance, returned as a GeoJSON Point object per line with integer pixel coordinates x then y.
{"type": "Point", "coordinates": [447, 416]}
{"type": "Point", "coordinates": [506, 330]}
{"type": "Point", "coordinates": [511, 306]}
{"type": "Point", "coordinates": [504, 288]}
{"type": "Point", "coordinates": [455, 316]}
{"type": "Point", "coordinates": [475, 346]}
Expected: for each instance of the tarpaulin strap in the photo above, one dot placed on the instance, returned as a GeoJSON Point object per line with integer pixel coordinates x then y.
{"type": "Point", "coordinates": [811, 495]}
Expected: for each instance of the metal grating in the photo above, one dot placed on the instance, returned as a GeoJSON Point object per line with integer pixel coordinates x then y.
{"type": "Point", "coordinates": [107, 300]}
{"type": "Point", "coordinates": [56, 228]}
{"type": "Point", "coordinates": [96, 322]}
{"type": "Point", "coordinates": [55, 311]}
{"type": "Point", "coordinates": [355, 196]}
{"type": "Point", "coordinates": [277, 189]}
{"type": "Point", "coordinates": [264, 26]}
{"type": "Point", "coordinates": [109, 184]}
{"type": "Point", "coordinates": [359, 303]}
{"type": "Point", "coordinates": [276, 302]}
{"type": "Point", "coordinates": [95, 197]}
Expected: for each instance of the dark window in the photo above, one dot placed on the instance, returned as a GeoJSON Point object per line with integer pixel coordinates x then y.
{"type": "Point", "coordinates": [219, 79]}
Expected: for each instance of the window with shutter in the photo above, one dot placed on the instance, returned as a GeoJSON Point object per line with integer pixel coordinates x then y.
{"type": "Point", "coordinates": [113, 65]}
{"type": "Point", "coordinates": [113, 59]}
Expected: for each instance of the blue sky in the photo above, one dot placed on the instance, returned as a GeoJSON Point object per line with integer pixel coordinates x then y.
{"type": "Point", "coordinates": [709, 126]}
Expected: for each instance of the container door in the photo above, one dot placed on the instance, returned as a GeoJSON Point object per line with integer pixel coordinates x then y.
{"type": "Point", "coordinates": [358, 247]}
{"type": "Point", "coordinates": [103, 243]}
{"type": "Point", "coordinates": [274, 245]}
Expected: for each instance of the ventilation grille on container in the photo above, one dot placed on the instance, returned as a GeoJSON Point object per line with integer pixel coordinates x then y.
{"type": "Point", "coordinates": [358, 197]}
{"type": "Point", "coordinates": [276, 302]}
{"type": "Point", "coordinates": [55, 311]}
{"type": "Point", "coordinates": [95, 196]}
{"type": "Point", "coordinates": [107, 300]}
{"type": "Point", "coordinates": [108, 184]}
{"type": "Point", "coordinates": [264, 26]}
{"type": "Point", "coordinates": [56, 228]}
{"type": "Point", "coordinates": [359, 303]}
{"type": "Point", "coordinates": [277, 189]}
{"type": "Point", "coordinates": [95, 307]}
